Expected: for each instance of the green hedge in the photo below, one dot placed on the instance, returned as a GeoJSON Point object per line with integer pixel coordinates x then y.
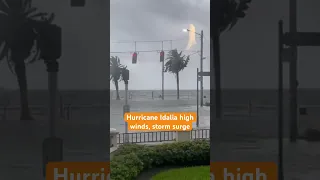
{"type": "Point", "coordinates": [130, 160]}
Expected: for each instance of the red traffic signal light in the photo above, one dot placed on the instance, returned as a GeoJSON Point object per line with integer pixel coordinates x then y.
{"type": "Point", "coordinates": [161, 56]}
{"type": "Point", "coordinates": [134, 58]}
{"type": "Point", "coordinates": [77, 3]}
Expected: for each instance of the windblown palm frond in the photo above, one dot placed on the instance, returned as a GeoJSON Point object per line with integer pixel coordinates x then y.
{"type": "Point", "coordinates": [20, 27]}
{"type": "Point", "coordinates": [176, 62]}
{"type": "Point", "coordinates": [231, 12]}
{"type": "Point", "coordinates": [116, 69]}
{"type": "Point", "coordinates": [116, 72]}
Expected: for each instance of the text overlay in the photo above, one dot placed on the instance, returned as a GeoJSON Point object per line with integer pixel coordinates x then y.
{"type": "Point", "coordinates": [243, 171]}
{"type": "Point", "coordinates": [78, 170]}
{"type": "Point", "coordinates": [160, 121]}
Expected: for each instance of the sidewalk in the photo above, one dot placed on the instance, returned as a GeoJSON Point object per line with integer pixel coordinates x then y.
{"type": "Point", "coordinates": [21, 146]}
{"type": "Point", "coordinates": [301, 160]}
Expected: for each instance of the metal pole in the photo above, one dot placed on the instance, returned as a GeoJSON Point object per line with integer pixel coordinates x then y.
{"type": "Point", "coordinates": [52, 113]}
{"type": "Point", "coordinates": [61, 107]}
{"type": "Point", "coordinates": [52, 147]}
{"type": "Point", "coordinates": [162, 80]}
{"type": "Point", "coordinates": [162, 73]}
{"type": "Point", "coordinates": [126, 109]}
{"type": "Point", "coordinates": [201, 69]}
{"type": "Point", "coordinates": [197, 97]}
{"type": "Point", "coordinates": [53, 91]}
{"type": "Point", "coordinates": [280, 102]}
{"type": "Point", "coordinates": [126, 94]}
{"type": "Point", "coordinates": [293, 73]}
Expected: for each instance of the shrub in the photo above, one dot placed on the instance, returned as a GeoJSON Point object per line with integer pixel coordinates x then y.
{"type": "Point", "coordinates": [130, 160]}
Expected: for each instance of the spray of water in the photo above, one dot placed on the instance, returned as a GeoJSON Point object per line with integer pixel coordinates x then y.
{"type": "Point", "coordinates": [192, 37]}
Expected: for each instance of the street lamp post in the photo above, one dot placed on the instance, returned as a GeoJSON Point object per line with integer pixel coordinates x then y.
{"type": "Point", "coordinates": [201, 69]}
{"type": "Point", "coordinates": [50, 46]}
{"type": "Point", "coordinates": [201, 63]}
{"type": "Point", "coordinates": [293, 73]}
{"type": "Point", "coordinates": [126, 107]}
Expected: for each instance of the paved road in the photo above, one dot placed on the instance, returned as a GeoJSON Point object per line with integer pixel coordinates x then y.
{"type": "Point", "coordinates": [21, 146]}
{"type": "Point", "coordinates": [301, 160]}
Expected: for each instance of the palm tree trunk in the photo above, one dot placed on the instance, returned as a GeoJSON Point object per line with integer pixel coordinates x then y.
{"type": "Point", "coordinates": [217, 73]}
{"type": "Point", "coordinates": [117, 89]}
{"type": "Point", "coordinates": [20, 69]}
{"type": "Point", "coordinates": [178, 91]}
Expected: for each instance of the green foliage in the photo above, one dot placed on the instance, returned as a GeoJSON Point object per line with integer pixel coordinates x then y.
{"type": "Point", "coordinates": [21, 26]}
{"type": "Point", "coordinates": [130, 160]}
{"type": "Point", "coordinates": [126, 166]}
{"type": "Point", "coordinates": [116, 69]}
{"type": "Point", "coordinates": [188, 173]}
{"type": "Point", "coordinates": [231, 12]}
{"type": "Point", "coordinates": [176, 62]}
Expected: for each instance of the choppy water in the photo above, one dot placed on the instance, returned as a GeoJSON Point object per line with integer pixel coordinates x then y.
{"type": "Point", "coordinates": [148, 100]}
{"type": "Point", "coordinates": [140, 101]}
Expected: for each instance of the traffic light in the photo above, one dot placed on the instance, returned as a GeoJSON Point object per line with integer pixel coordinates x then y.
{"type": "Point", "coordinates": [243, 6]}
{"type": "Point", "coordinates": [161, 56]}
{"type": "Point", "coordinates": [125, 75]}
{"type": "Point", "coordinates": [77, 3]}
{"type": "Point", "coordinates": [134, 58]}
{"type": "Point", "coordinates": [50, 42]}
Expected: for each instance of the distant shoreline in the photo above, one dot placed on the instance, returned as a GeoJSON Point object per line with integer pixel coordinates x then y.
{"type": "Point", "coordinates": [224, 89]}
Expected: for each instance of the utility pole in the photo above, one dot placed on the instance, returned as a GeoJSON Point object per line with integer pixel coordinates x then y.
{"type": "Point", "coordinates": [293, 73]}
{"type": "Point", "coordinates": [201, 68]}
{"type": "Point", "coordinates": [162, 73]}
{"type": "Point", "coordinates": [52, 147]}
{"type": "Point", "coordinates": [126, 107]}
{"type": "Point", "coordinates": [280, 100]}
{"type": "Point", "coordinates": [197, 97]}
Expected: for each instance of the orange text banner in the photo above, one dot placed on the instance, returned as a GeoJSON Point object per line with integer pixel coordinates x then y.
{"type": "Point", "coordinates": [160, 121]}
{"type": "Point", "coordinates": [78, 170]}
{"type": "Point", "coordinates": [243, 171]}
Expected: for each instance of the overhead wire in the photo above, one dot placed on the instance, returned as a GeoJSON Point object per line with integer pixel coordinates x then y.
{"type": "Point", "coordinates": [193, 52]}
{"type": "Point", "coordinates": [147, 51]}
{"type": "Point", "coordinates": [147, 41]}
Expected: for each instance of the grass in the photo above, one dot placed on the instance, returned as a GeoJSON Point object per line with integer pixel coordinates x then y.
{"type": "Point", "coordinates": [190, 173]}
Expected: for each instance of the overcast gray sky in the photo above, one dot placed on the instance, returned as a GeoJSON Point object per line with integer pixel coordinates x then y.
{"type": "Point", "coordinates": [249, 51]}
{"type": "Point", "coordinates": [148, 20]}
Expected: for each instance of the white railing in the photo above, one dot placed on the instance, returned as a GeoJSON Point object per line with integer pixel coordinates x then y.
{"type": "Point", "coordinates": [117, 138]}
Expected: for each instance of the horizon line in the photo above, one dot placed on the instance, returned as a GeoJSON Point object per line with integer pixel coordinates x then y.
{"type": "Point", "coordinates": [102, 89]}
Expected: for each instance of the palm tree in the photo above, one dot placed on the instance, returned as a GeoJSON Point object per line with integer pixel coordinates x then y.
{"type": "Point", "coordinates": [226, 13]}
{"type": "Point", "coordinates": [116, 72]}
{"type": "Point", "coordinates": [176, 62]}
{"type": "Point", "coordinates": [20, 27]}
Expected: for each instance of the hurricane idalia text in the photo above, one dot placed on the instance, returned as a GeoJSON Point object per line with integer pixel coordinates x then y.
{"type": "Point", "coordinates": [160, 121]}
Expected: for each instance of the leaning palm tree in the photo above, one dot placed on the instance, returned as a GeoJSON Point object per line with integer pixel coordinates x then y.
{"type": "Point", "coordinates": [20, 27]}
{"type": "Point", "coordinates": [116, 72]}
{"type": "Point", "coordinates": [176, 62]}
{"type": "Point", "coordinates": [226, 14]}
